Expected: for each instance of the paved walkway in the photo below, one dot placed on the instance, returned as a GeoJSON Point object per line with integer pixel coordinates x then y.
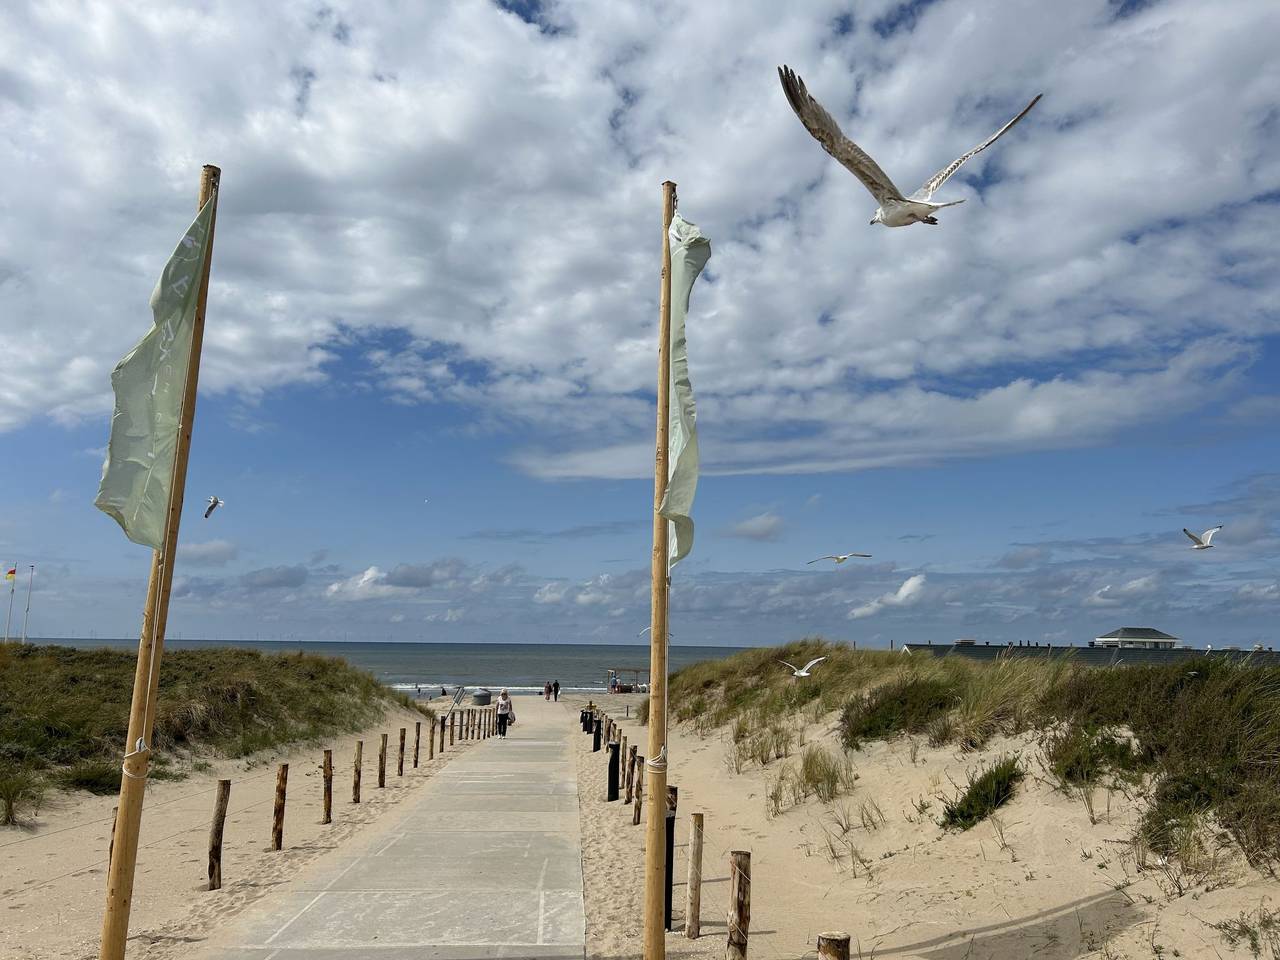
{"type": "Point", "coordinates": [487, 862]}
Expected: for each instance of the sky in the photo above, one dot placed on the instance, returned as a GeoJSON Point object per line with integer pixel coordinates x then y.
{"type": "Point", "coordinates": [427, 390]}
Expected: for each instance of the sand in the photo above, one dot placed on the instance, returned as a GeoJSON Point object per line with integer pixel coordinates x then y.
{"type": "Point", "coordinates": [1045, 882]}
{"type": "Point", "coordinates": [53, 874]}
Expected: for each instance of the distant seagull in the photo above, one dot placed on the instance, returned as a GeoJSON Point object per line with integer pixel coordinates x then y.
{"type": "Point", "coordinates": [841, 557]}
{"type": "Point", "coordinates": [895, 210]}
{"type": "Point", "coordinates": [802, 671]}
{"type": "Point", "coordinates": [214, 504]}
{"type": "Point", "coordinates": [1202, 542]}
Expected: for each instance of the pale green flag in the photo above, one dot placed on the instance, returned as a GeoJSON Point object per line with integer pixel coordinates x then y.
{"type": "Point", "coordinates": [690, 251]}
{"type": "Point", "coordinates": [149, 383]}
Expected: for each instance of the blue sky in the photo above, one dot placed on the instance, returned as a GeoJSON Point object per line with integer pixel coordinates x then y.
{"type": "Point", "coordinates": [427, 398]}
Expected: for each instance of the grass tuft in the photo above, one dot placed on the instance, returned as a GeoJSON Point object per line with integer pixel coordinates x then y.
{"type": "Point", "coordinates": [986, 793]}
{"type": "Point", "coordinates": [906, 705]}
{"type": "Point", "coordinates": [21, 794]}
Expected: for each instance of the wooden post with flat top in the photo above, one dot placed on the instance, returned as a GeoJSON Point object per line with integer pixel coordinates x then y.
{"type": "Point", "coordinates": [215, 834]}
{"type": "Point", "coordinates": [635, 812]}
{"type": "Point", "coordinates": [656, 768]}
{"type": "Point", "coordinates": [146, 678]}
{"type": "Point", "coordinates": [277, 814]}
{"type": "Point", "coordinates": [693, 891]}
{"type": "Point", "coordinates": [355, 772]}
{"type": "Point", "coordinates": [400, 758]}
{"type": "Point", "coordinates": [327, 816]}
{"type": "Point", "coordinates": [382, 763]}
{"type": "Point", "coordinates": [417, 741]}
{"type": "Point", "coordinates": [833, 946]}
{"type": "Point", "coordinates": [739, 919]}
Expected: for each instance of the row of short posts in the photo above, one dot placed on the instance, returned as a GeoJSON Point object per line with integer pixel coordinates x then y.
{"type": "Point", "coordinates": [626, 780]}
{"type": "Point", "coordinates": [478, 724]}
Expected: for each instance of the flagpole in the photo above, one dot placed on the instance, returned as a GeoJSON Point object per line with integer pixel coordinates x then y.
{"type": "Point", "coordinates": [31, 579]}
{"type": "Point", "coordinates": [656, 767]}
{"type": "Point", "coordinates": [146, 679]}
{"type": "Point", "coordinates": [13, 585]}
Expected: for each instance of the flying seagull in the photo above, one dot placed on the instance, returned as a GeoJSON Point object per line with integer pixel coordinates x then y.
{"type": "Point", "coordinates": [841, 557]}
{"type": "Point", "coordinates": [1202, 542]}
{"type": "Point", "coordinates": [802, 671]}
{"type": "Point", "coordinates": [214, 504]}
{"type": "Point", "coordinates": [895, 210]}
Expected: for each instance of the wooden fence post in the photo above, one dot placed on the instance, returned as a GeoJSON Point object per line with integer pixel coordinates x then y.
{"type": "Point", "coordinates": [693, 908]}
{"type": "Point", "coordinates": [400, 758]}
{"type": "Point", "coordinates": [672, 796]}
{"type": "Point", "coordinates": [611, 791]}
{"type": "Point", "coordinates": [443, 724]}
{"type": "Point", "coordinates": [328, 787]}
{"type": "Point", "coordinates": [431, 740]}
{"type": "Point", "coordinates": [595, 736]}
{"type": "Point", "coordinates": [355, 773]}
{"type": "Point", "coordinates": [215, 834]}
{"type": "Point", "coordinates": [417, 742]}
{"type": "Point", "coordinates": [833, 946]}
{"type": "Point", "coordinates": [382, 762]}
{"type": "Point", "coordinates": [739, 920]}
{"type": "Point", "coordinates": [631, 773]}
{"type": "Point", "coordinates": [635, 811]}
{"type": "Point", "coordinates": [453, 726]}
{"type": "Point", "coordinates": [277, 820]}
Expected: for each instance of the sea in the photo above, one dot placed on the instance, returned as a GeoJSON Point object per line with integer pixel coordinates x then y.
{"type": "Point", "coordinates": [522, 668]}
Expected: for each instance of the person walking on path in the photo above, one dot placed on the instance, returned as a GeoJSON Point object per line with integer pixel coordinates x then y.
{"type": "Point", "coordinates": [546, 690]}
{"type": "Point", "coordinates": [505, 714]}
{"type": "Point", "coordinates": [555, 690]}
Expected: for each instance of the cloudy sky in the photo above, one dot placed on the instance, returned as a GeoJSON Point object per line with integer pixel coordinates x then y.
{"type": "Point", "coordinates": [426, 395]}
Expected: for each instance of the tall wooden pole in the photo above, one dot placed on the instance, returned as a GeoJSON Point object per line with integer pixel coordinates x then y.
{"type": "Point", "coordinates": [146, 678]}
{"type": "Point", "coordinates": [656, 768]}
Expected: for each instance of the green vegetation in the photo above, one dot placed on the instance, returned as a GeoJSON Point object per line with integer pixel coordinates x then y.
{"type": "Point", "coordinates": [986, 792]}
{"type": "Point", "coordinates": [64, 712]}
{"type": "Point", "coordinates": [21, 793]}
{"type": "Point", "coordinates": [1202, 736]}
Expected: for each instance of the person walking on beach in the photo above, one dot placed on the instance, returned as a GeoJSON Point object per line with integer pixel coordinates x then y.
{"type": "Point", "coordinates": [555, 690]}
{"type": "Point", "coordinates": [546, 690]}
{"type": "Point", "coordinates": [505, 714]}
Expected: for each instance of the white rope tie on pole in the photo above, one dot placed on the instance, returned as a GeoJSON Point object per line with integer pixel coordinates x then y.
{"type": "Point", "coordinates": [658, 764]}
{"type": "Point", "coordinates": [139, 749]}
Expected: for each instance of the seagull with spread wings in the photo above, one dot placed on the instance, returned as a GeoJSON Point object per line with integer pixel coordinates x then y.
{"type": "Point", "coordinates": [841, 557]}
{"type": "Point", "coordinates": [895, 210]}
{"type": "Point", "coordinates": [802, 671]}
{"type": "Point", "coordinates": [214, 504]}
{"type": "Point", "coordinates": [1202, 542]}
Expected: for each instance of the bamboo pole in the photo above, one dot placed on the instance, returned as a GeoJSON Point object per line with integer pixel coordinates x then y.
{"type": "Point", "coordinates": [146, 678]}
{"type": "Point", "coordinates": [693, 901]}
{"type": "Point", "coordinates": [215, 834]}
{"type": "Point", "coordinates": [328, 787]}
{"type": "Point", "coordinates": [355, 773]}
{"type": "Point", "coordinates": [277, 814]}
{"type": "Point", "coordinates": [654, 850]}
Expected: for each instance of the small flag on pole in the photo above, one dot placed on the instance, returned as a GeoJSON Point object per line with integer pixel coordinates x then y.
{"type": "Point", "coordinates": [149, 384]}
{"type": "Point", "coordinates": [690, 251]}
{"type": "Point", "coordinates": [11, 574]}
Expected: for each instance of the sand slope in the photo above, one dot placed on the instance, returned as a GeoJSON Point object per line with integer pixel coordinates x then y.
{"type": "Point", "coordinates": [1046, 882]}
{"type": "Point", "coordinates": [52, 876]}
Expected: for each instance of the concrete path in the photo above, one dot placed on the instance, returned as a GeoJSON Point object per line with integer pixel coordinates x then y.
{"type": "Point", "coordinates": [487, 862]}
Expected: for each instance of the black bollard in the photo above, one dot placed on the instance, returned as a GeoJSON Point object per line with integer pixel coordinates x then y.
{"type": "Point", "coordinates": [614, 766]}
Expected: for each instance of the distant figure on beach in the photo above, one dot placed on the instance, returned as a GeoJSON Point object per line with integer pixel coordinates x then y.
{"type": "Point", "coordinates": [555, 690]}
{"type": "Point", "coordinates": [613, 684]}
{"type": "Point", "coordinates": [444, 692]}
{"type": "Point", "coordinates": [504, 714]}
{"type": "Point", "coordinates": [546, 690]}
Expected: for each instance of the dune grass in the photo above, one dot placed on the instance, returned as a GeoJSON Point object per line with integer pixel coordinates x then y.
{"type": "Point", "coordinates": [64, 711]}
{"type": "Point", "coordinates": [986, 792]}
{"type": "Point", "coordinates": [1203, 736]}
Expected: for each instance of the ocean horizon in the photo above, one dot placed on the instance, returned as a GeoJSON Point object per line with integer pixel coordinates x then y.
{"type": "Point", "coordinates": [412, 665]}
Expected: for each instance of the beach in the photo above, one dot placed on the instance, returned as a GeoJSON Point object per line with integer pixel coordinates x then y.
{"type": "Point", "coordinates": [1046, 878]}
{"type": "Point", "coordinates": [53, 874]}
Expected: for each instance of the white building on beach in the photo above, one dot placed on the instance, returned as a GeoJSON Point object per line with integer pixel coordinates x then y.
{"type": "Point", "coordinates": [1137, 638]}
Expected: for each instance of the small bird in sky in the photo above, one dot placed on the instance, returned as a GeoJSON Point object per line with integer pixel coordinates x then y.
{"type": "Point", "coordinates": [841, 557]}
{"type": "Point", "coordinates": [895, 210]}
{"type": "Point", "coordinates": [802, 671]}
{"type": "Point", "coordinates": [214, 504]}
{"type": "Point", "coordinates": [1202, 542]}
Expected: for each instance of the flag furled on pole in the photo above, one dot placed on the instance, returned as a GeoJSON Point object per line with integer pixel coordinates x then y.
{"type": "Point", "coordinates": [149, 383]}
{"type": "Point", "coordinates": [690, 251]}
{"type": "Point", "coordinates": [11, 574]}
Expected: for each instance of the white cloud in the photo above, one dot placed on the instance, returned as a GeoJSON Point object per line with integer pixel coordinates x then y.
{"type": "Point", "coordinates": [214, 553]}
{"type": "Point", "coordinates": [907, 595]}
{"type": "Point", "coordinates": [1132, 590]}
{"type": "Point", "coordinates": [1067, 301]}
{"type": "Point", "coordinates": [553, 592]}
{"type": "Point", "coordinates": [765, 526]}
